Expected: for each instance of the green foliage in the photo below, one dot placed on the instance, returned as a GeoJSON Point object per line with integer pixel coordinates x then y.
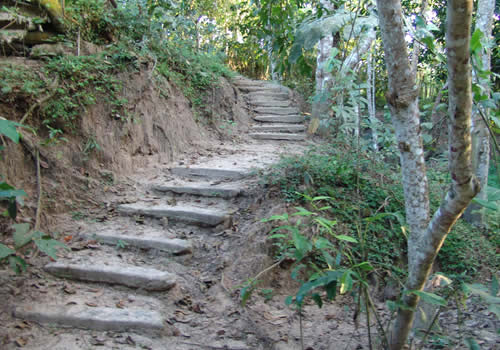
{"type": "Point", "coordinates": [309, 239]}
{"type": "Point", "coordinates": [22, 234]}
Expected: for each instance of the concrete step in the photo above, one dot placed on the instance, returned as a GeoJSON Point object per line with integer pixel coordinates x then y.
{"type": "Point", "coordinates": [187, 214]}
{"type": "Point", "coordinates": [95, 318]}
{"type": "Point", "coordinates": [126, 275]}
{"type": "Point", "coordinates": [278, 136]}
{"type": "Point", "coordinates": [279, 118]}
{"type": "Point", "coordinates": [211, 173]}
{"type": "Point", "coordinates": [174, 246]}
{"type": "Point", "coordinates": [262, 88]}
{"type": "Point", "coordinates": [278, 96]}
{"type": "Point", "coordinates": [269, 103]}
{"type": "Point", "coordinates": [278, 128]}
{"type": "Point", "coordinates": [201, 190]}
{"type": "Point", "coordinates": [277, 110]}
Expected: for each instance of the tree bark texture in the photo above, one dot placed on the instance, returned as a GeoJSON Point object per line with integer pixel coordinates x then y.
{"type": "Point", "coordinates": [480, 134]}
{"type": "Point", "coordinates": [55, 11]}
{"type": "Point", "coordinates": [427, 236]}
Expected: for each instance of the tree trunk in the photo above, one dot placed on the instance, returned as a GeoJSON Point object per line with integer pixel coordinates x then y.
{"type": "Point", "coordinates": [321, 106]}
{"type": "Point", "coordinates": [55, 11]}
{"type": "Point", "coordinates": [426, 238]}
{"type": "Point", "coordinates": [370, 96]}
{"type": "Point", "coordinates": [480, 135]}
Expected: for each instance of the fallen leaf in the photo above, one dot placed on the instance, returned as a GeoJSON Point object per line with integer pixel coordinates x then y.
{"type": "Point", "coordinates": [20, 342]}
{"type": "Point", "coordinates": [91, 304]}
{"type": "Point", "coordinates": [23, 325]}
{"type": "Point", "coordinates": [120, 304]}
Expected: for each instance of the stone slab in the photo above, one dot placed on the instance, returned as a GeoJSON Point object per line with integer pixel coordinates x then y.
{"type": "Point", "coordinates": [279, 118]}
{"type": "Point", "coordinates": [279, 96]}
{"type": "Point", "coordinates": [192, 215]}
{"type": "Point", "coordinates": [174, 246]}
{"type": "Point", "coordinates": [261, 88]}
{"type": "Point", "coordinates": [211, 173]}
{"type": "Point", "coordinates": [130, 276]}
{"type": "Point", "coordinates": [278, 128]}
{"type": "Point", "coordinates": [95, 318]}
{"type": "Point", "coordinates": [262, 102]}
{"type": "Point", "coordinates": [201, 190]}
{"type": "Point", "coordinates": [277, 110]}
{"type": "Point", "coordinates": [278, 136]}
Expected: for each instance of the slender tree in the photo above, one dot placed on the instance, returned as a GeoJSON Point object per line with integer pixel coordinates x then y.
{"type": "Point", "coordinates": [480, 134]}
{"type": "Point", "coordinates": [427, 235]}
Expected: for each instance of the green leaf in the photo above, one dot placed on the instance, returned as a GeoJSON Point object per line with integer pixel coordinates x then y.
{"type": "Point", "coordinates": [277, 235]}
{"type": "Point", "coordinates": [472, 344]}
{"type": "Point", "coordinates": [246, 293]}
{"type": "Point", "coordinates": [5, 251]}
{"type": "Point", "coordinates": [346, 282]}
{"type": "Point", "coordinates": [302, 245]}
{"type": "Point", "coordinates": [346, 238]}
{"type": "Point", "coordinates": [322, 243]}
{"type": "Point", "coordinates": [288, 300]}
{"type": "Point", "coordinates": [283, 217]}
{"type": "Point", "coordinates": [364, 266]}
{"type": "Point", "coordinates": [12, 193]}
{"type": "Point", "coordinates": [429, 298]}
{"type": "Point", "coordinates": [317, 299]}
{"type": "Point", "coordinates": [48, 245]}
{"type": "Point", "coordinates": [475, 41]}
{"type": "Point", "coordinates": [8, 129]}
{"type": "Point", "coordinates": [302, 212]}
{"type": "Point", "coordinates": [322, 281]}
{"type": "Point", "coordinates": [12, 209]}
{"type": "Point", "coordinates": [328, 224]}
{"type": "Point", "coordinates": [21, 236]}
{"type": "Point", "coordinates": [17, 264]}
{"type": "Point", "coordinates": [331, 290]}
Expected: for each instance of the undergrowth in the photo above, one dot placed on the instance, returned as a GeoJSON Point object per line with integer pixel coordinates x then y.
{"type": "Point", "coordinates": [364, 194]}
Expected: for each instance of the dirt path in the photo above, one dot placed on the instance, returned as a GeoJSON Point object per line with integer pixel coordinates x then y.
{"type": "Point", "coordinates": [158, 264]}
{"type": "Point", "coordinates": [146, 270]}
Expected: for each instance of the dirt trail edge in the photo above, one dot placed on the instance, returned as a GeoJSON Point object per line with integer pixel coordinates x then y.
{"type": "Point", "coordinates": [149, 273]}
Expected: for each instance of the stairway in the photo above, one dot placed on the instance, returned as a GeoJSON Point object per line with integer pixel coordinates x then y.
{"type": "Point", "coordinates": [126, 274]}
{"type": "Point", "coordinates": [274, 112]}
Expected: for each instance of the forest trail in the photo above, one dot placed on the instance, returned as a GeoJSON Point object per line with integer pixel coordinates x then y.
{"type": "Point", "coordinates": [148, 274]}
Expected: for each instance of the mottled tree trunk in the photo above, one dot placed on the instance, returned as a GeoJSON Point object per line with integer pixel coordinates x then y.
{"type": "Point", "coordinates": [55, 11]}
{"type": "Point", "coordinates": [427, 236]}
{"type": "Point", "coordinates": [480, 136]}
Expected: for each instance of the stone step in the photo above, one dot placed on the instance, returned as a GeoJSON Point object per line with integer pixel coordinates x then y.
{"type": "Point", "coordinates": [278, 96]}
{"type": "Point", "coordinates": [187, 214]}
{"type": "Point", "coordinates": [270, 103]}
{"type": "Point", "coordinates": [277, 110]}
{"type": "Point", "coordinates": [278, 136]}
{"type": "Point", "coordinates": [201, 190]}
{"type": "Point", "coordinates": [278, 128]}
{"type": "Point", "coordinates": [279, 118]}
{"type": "Point", "coordinates": [262, 88]}
{"type": "Point", "coordinates": [95, 318]}
{"type": "Point", "coordinates": [211, 173]}
{"type": "Point", "coordinates": [130, 276]}
{"type": "Point", "coordinates": [174, 246]}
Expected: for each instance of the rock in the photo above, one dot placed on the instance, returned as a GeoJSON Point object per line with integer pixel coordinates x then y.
{"type": "Point", "coordinates": [192, 215]}
{"type": "Point", "coordinates": [97, 318]}
{"type": "Point", "coordinates": [278, 136]}
{"type": "Point", "coordinates": [130, 276]}
{"type": "Point", "coordinates": [279, 119]}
